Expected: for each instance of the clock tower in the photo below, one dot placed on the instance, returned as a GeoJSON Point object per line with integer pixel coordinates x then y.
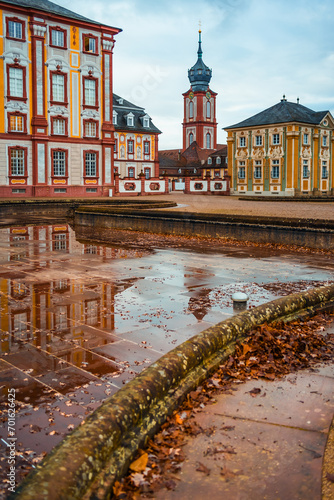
{"type": "Point", "coordinates": [199, 122]}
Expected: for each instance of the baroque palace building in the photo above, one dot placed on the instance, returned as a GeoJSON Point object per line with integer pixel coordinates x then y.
{"type": "Point", "coordinates": [56, 131]}
{"type": "Point", "coordinates": [284, 150]}
{"type": "Point", "coordinates": [57, 125]}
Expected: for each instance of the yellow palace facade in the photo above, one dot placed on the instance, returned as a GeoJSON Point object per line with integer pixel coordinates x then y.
{"type": "Point", "coordinates": [285, 150]}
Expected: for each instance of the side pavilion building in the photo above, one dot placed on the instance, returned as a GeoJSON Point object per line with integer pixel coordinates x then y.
{"type": "Point", "coordinates": [285, 150]}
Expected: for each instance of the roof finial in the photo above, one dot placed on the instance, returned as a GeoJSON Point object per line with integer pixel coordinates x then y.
{"type": "Point", "coordinates": [297, 100]}
{"type": "Point", "coordinates": [199, 52]}
{"type": "Point", "coordinates": [283, 98]}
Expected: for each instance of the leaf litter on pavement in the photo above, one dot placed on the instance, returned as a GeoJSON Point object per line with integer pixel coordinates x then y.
{"type": "Point", "coordinates": [269, 351]}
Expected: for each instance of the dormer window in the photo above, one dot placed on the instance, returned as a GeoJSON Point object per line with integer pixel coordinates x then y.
{"type": "Point", "coordinates": [120, 100]}
{"type": "Point", "coordinates": [114, 118]}
{"type": "Point", "coordinates": [130, 120]}
{"type": "Point", "coordinates": [146, 122]}
{"type": "Point", "coordinates": [218, 160]}
{"type": "Point", "coordinates": [209, 161]}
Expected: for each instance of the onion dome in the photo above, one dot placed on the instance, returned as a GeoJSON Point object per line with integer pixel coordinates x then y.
{"type": "Point", "coordinates": [200, 74]}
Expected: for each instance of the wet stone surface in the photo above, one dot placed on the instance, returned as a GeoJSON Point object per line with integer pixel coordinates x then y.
{"type": "Point", "coordinates": [268, 446]}
{"type": "Point", "coordinates": [80, 319]}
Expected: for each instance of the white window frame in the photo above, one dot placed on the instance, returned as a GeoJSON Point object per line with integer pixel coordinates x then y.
{"type": "Point", "coordinates": [16, 87]}
{"type": "Point", "coordinates": [58, 87]}
{"type": "Point", "coordinates": [258, 140]}
{"type": "Point", "coordinates": [90, 92]}
{"type": "Point", "coordinates": [15, 29]}
{"type": "Point", "coordinates": [242, 142]}
{"type": "Point", "coordinates": [17, 162]}
{"type": "Point", "coordinates": [275, 169]}
{"type": "Point", "coordinates": [59, 126]}
{"type": "Point", "coordinates": [57, 38]}
{"type": "Point", "coordinates": [59, 163]}
{"type": "Point", "coordinates": [276, 139]}
{"type": "Point", "coordinates": [90, 164]}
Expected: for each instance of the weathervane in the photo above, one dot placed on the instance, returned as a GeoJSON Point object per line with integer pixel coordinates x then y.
{"type": "Point", "coordinates": [199, 26]}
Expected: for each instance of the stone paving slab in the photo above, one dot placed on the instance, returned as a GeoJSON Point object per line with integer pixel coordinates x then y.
{"type": "Point", "coordinates": [267, 447]}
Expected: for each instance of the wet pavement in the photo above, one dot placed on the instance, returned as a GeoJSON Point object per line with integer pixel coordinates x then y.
{"type": "Point", "coordinates": [266, 443]}
{"type": "Point", "coordinates": [80, 319]}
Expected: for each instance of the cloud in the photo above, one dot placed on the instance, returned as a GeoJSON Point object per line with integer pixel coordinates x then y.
{"type": "Point", "coordinates": [258, 51]}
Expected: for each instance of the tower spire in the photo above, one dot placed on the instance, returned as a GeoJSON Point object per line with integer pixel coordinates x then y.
{"type": "Point", "coordinates": [199, 52]}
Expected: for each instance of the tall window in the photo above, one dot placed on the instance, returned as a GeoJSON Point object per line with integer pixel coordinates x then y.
{"type": "Point", "coordinates": [130, 147]}
{"type": "Point", "coordinates": [306, 172]}
{"type": "Point", "coordinates": [146, 147]}
{"type": "Point", "coordinates": [258, 140]}
{"type": "Point", "coordinates": [131, 172]}
{"type": "Point", "coordinates": [305, 138]}
{"type": "Point", "coordinates": [191, 109]}
{"type": "Point", "coordinates": [16, 86]}
{"type": "Point", "coordinates": [90, 128]}
{"type": "Point", "coordinates": [208, 141]}
{"type": "Point", "coordinates": [208, 109]}
{"type": "Point", "coordinates": [114, 118]}
{"type": "Point", "coordinates": [16, 123]}
{"type": "Point", "coordinates": [258, 170]}
{"type": "Point", "coordinates": [90, 165]}
{"type": "Point", "coordinates": [275, 169]}
{"type": "Point", "coordinates": [58, 126]}
{"type": "Point", "coordinates": [324, 140]}
{"type": "Point", "coordinates": [191, 138]}
{"type": "Point", "coordinates": [242, 173]}
{"type": "Point", "coordinates": [242, 142]}
{"type": "Point", "coordinates": [59, 163]}
{"type": "Point", "coordinates": [15, 29]}
{"type": "Point", "coordinates": [17, 162]}
{"type": "Point", "coordinates": [324, 169]}
{"type": "Point", "coordinates": [58, 38]}
{"type": "Point", "coordinates": [58, 87]}
{"type": "Point", "coordinates": [275, 138]}
{"type": "Point", "coordinates": [147, 172]}
{"type": "Point", "coordinates": [90, 92]}
{"type": "Point", "coordinates": [90, 43]}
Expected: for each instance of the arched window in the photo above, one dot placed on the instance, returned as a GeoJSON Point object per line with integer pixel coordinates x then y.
{"type": "Point", "coordinates": [191, 138]}
{"type": "Point", "coordinates": [191, 109]}
{"type": "Point", "coordinates": [208, 109]}
{"type": "Point", "coordinates": [208, 141]}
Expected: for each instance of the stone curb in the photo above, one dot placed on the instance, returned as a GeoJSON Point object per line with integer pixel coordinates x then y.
{"type": "Point", "coordinates": [87, 462]}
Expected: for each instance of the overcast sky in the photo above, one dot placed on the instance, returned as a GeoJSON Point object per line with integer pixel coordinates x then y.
{"type": "Point", "coordinates": [258, 50]}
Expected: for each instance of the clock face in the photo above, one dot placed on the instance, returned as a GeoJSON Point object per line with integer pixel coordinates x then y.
{"type": "Point", "coordinates": [208, 95]}
{"type": "Point", "coordinates": [191, 95]}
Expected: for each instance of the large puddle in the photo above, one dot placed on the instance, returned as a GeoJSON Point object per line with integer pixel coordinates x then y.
{"type": "Point", "coordinates": [80, 319]}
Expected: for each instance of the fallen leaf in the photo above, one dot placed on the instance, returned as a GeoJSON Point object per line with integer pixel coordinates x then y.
{"type": "Point", "coordinates": [202, 468]}
{"type": "Point", "coordinates": [140, 464]}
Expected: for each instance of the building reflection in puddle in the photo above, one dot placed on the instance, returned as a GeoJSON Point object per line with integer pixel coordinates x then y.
{"type": "Point", "coordinates": [80, 319]}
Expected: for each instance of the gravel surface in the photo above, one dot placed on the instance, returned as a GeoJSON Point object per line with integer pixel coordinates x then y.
{"type": "Point", "coordinates": [234, 205]}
